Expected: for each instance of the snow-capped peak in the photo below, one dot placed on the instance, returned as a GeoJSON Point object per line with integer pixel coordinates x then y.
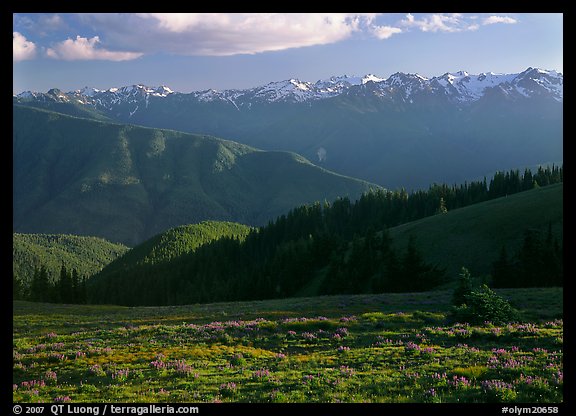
{"type": "Point", "coordinates": [370, 77]}
{"type": "Point", "coordinates": [459, 86]}
{"type": "Point", "coordinates": [88, 91]}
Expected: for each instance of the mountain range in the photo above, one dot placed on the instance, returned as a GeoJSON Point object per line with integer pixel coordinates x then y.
{"type": "Point", "coordinates": [459, 86]}
{"type": "Point", "coordinates": [126, 183]}
{"type": "Point", "coordinates": [405, 130]}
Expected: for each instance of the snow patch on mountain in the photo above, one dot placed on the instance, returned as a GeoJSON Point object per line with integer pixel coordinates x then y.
{"type": "Point", "coordinates": [460, 87]}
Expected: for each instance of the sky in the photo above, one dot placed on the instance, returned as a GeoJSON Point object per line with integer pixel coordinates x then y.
{"type": "Point", "coordinates": [198, 51]}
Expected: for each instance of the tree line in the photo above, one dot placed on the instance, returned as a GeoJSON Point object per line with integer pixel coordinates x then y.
{"type": "Point", "coordinates": [341, 247]}
{"type": "Point", "coordinates": [68, 287]}
{"type": "Point", "coordinates": [539, 262]}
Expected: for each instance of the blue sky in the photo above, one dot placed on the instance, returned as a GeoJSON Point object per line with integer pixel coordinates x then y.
{"type": "Point", "coordinates": [190, 52]}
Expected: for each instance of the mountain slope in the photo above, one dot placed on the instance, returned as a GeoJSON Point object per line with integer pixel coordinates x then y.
{"type": "Point", "coordinates": [473, 236]}
{"type": "Point", "coordinates": [175, 242]}
{"type": "Point", "coordinates": [148, 259]}
{"type": "Point", "coordinates": [405, 130]}
{"type": "Point", "coordinates": [87, 255]}
{"type": "Point", "coordinates": [336, 248]}
{"type": "Point", "coordinates": [128, 183]}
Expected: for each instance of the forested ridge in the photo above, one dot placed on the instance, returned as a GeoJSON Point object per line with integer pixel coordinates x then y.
{"type": "Point", "coordinates": [340, 247]}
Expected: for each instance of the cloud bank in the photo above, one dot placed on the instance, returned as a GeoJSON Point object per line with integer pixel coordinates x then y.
{"type": "Point", "coordinates": [128, 36]}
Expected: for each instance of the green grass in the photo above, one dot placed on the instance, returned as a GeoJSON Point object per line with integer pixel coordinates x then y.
{"type": "Point", "coordinates": [357, 348]}
{"type": "Point", "coordinates": [473, 236]}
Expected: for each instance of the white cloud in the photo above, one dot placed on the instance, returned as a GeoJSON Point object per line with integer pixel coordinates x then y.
{"type": "Point", "coordinates": [86, 49]}
{"type": "Point", "coordinates": [230, 34]}
{"type": "Point", "coordinates": [22, 48]}
{"type": "Point", "coordinates": [436, 22]}
{"type": "Point", "coordinates": [384, 32]}
{"type": "Point", "coordinates": [221, 34]}
{"type": "Point", "coordinates": [498, 19]}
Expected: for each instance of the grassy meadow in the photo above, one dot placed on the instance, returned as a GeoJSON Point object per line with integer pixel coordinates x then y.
{"type": "Point", "coordinates": [385, 348]}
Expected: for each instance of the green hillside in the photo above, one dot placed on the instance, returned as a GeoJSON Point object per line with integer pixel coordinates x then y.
{"type": "Point", "coordinates": [174, 243]}
{"type": "Point", "coordinates": [473, 236]}
{"type": "Point", "coordinates": [127, 183]}
{"type": "Point", "coordinates": [148, 263]}
{"type": "Point", "coordinates": [88, 255]}
{"type": "Point", "coordinates": [346, 247]}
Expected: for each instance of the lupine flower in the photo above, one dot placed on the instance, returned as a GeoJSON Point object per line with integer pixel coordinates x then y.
{"type": "Point", "coordinates": [181, 367]}
{"type": "Point", "coordinates": [260, 374]}
{"type": "Point", "coordinates": [342, 331]}
{"type": "Point", "coordinates": [120, 375]}
{"type": "Point", "coordinates": [96, 370]}
{"type": "Point", "coordinates": [347, 371]}
{"type": "Point", "coordinates": [62, 399]}
{"type": "Point", "coordinates": [158, 365]}
{"type": "Point", "coordinates": [490, 385]}
{"type": "Point", "coordinates": [228, 388]}
{"type": "Point", "coordinates": [50, 375]}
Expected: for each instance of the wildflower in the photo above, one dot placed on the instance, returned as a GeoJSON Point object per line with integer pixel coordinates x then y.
{"type": "Point", "coordinates": [307, 378]}
{"type": "Point", "coordinates": [459, 382]}
{"type": "Point", "coordinates": [346, 371]}
{"type": "Point", "coordinates": [342, 348]}
{"type": "Point", "coordinates": [96, 370]}
{"type": "Point", "coordinates": [120, 375]}
{"type": "Point", "coordinates": [50, 376]}
{"type": "Point", "coordinates": [228, 388]}
{"type": "Point", "coordinates": [342, 331]}
{"type": "Point", "coordinates": [410, 346]}
{"type": "Point", "coordinates": [260, 374]}
{"type": "Point", "coordinates": [348, 318]}
{"type": "Point", "coordinates": [181, 367]}
{"type": "Point", "coordinates": [158, 365]}
{"type": "Point", "coordinates": [490, 385]}
{"type": "Point", "coordinates": [62, 399]}
{"type": "Point", "coordinates": [558, 377]}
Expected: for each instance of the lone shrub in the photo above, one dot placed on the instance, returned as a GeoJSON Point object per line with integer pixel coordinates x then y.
{"type": "Point", "coordinates": [483, 305]}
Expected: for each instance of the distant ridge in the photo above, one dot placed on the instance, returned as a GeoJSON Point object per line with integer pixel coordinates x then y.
{"type": "Point", "coordinates": [406, 130]}
{"type": "Point", "coordinates": [127, 183]}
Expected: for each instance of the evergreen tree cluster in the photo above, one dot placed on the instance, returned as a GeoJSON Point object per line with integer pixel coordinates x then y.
{"type": "Point", "coordinates": [69, 287]}
{"type": "Point", "coordinates": [343, 247]}
{"type": "Point", "coordinates": [539, 262]}
{"type": "Point", "coordinates": [373, 265]}
{"type": "Point", "coordinates": [479, 304]}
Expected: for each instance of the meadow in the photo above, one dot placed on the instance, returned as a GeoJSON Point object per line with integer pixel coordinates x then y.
{"type": "Point", "coordinates": [384, 348]}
